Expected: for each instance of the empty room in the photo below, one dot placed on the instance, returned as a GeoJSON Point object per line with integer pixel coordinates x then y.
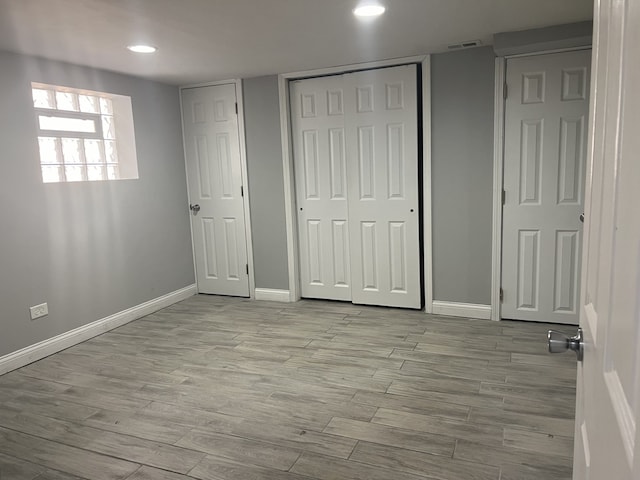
{"type": "Point", "coordinates": [319, 240]}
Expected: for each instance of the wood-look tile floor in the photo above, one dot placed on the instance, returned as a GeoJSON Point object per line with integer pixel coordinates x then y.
{"type": "Point", "coordinates": [225, 388]}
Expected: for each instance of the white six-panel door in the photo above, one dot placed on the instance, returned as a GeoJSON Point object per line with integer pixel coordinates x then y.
{"type": "Point", "coordinates": [356, 168]}
{"type": "Point", "coordinates": [317, 107]}
{"type": "Point", "coordinates": [214, 174]}
{"type": "Point", "coordinates": [607, 437]}
{"type": "Point", "coordinates": [382, 152]}
{"type": "Point", "coordinates": [546, 115]}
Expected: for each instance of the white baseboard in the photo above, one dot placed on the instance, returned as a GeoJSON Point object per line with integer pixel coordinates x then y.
{"type": "Point", "coordinates": [272, 295]}
{"type": "Point", "coordinates": [469, 310]}
{"type": "Point", "coordinates": [35, 352]}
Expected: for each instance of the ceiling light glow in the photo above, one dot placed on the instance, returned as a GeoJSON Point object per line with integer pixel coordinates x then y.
{"type": "Point", "coordinates": [369, 10]}
{"type": "Point", "coordinates": [142, 48]}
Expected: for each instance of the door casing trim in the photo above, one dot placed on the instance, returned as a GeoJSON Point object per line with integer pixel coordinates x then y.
{"type": "Point", "coordinates": [498, 164]}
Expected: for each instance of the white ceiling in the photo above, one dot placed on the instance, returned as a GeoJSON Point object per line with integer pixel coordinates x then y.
{"type": "Point", "coordinates": [206, 40]}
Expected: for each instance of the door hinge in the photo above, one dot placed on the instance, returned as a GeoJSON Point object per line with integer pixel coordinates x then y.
{"type": "Point", "coordinates": [505, 91]}
{"type": "Point", "coordinates": [247, 265]}
{"type": "Point", "coordinates": [236, 108]}
{"type": "Point", "coordinates": [501, 295]}
{"type": "Point", "coordinates": [241, 190]}
{"type": "Point", "coordinates": [504, 197]}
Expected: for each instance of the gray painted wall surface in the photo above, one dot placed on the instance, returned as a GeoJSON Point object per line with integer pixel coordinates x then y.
{"type": "Point", "coordinates": [88, 249]}
{"type": "Point", "coordinates": [462, 155]}
{"type": "Point", "coordinates": [462, 170]}
{"type": "Point", "coordinates": [569, 35]}
{"type": "Point", "coordinates": [266, 184]}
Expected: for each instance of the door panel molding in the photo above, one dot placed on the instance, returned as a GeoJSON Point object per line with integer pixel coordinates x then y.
{"type": "Point", "coordinates": [289, 179]}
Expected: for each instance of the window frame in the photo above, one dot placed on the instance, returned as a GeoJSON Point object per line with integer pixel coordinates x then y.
{"type": "Point", "coordinates": [96, 118]}
{"type": "Point", "coordinates": [117, 156]}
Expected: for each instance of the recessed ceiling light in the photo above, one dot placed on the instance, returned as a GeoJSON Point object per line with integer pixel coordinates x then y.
{"type": "Point", "coordinates": [142, 48]}
{"type": "Point", "coordinates": [370, 10]}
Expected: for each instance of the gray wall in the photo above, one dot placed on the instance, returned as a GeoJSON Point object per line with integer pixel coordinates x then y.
{"type": "Point", "coordinates": [555, 37]}
{"type": "Point", "coordinates": [462, 170]}
{"type": "Point", "coordinates": [266, 185]}
{"type": "Point", "coordinates": [88, 249]}
{"type": "Point", "coordinates": [462, 156]}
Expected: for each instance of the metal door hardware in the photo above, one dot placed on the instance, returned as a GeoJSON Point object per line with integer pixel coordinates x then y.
{"type": "Point", "coordinates": [559, 342]}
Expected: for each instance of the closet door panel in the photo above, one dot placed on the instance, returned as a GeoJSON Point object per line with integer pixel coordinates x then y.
{"type": "Point", "coordinates": [382, 150]}
{"type": "Point", "coordinates": [320, 164]}
{"type": "Point", "coordinates": [355, 144]}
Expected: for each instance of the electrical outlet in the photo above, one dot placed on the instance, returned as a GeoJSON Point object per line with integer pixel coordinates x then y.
{"type": "Point", "coordinates": [38, 311]}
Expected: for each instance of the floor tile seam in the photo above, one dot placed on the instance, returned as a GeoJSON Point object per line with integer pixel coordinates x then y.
{"type": "Point", "coordinates": [471, 391]}
{"type": "Point", "coordinates": [300, 449]}
{"type": "Point", "coordinates": [208, 456]}
{"type": "Point", "coordinates": [247, 419]}
{"type": "Point", "coordinates": [61, 442]}
{"type": "Point", "coordinates": [439, 418]}
{"type": "Point", "coordinates": [439, 376]}
{"type": "Point", "coordinates": [405, 431]}
{"type": "Point", "coordinates": [32, 462]}
{"type": "Point", "coordinates": [74, 402]}
{"type": "Point", "coordinates": [534, 452]}
{"type": "Point", "coordinates": [454, 437]}
{"type": "Point", "coordinates": [436, 392]}
{"type": "Point", "coordinates": [391, 470]}
{"type": "Point", "coordinates": [524, 428]}
{"type": "Point", "coordinates": [165, 470]}
{"type": "Point", "coordinates": [96, 388]}
{"type": "Point", "coordinates": [56, 381]}
{"type": "Point", "coordinates": [128, 476]}
{"type": "Point", "coordinates": [94, 427]}
{"type": "Point", "coordinates": [417, 411]}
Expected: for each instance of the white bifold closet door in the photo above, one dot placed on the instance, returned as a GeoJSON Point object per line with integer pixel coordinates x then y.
{"type": "Point", "coordinates": [356, 165]}
{"type": "Point", "coordinates": [318, 125]}
{"type": "Point", "coordinates": [382, 173]}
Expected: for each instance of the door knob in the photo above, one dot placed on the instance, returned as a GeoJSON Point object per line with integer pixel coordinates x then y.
{"type": "Point", "coordinates": [582, 217]}
{"type": "Point", "coordinates": [194, 208]}
{"type": "Point", "coordinates": [559, 342]}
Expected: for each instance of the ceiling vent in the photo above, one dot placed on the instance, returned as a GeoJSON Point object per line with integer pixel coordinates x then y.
{"type": "Point", "coordinates": [467, 44]}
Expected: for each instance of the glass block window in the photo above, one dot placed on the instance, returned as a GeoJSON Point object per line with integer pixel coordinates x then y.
{"type": "Point", "coordinates": [84, 135]}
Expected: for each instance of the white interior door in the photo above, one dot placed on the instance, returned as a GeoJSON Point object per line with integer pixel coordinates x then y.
{"type": "Point", "coordinates": [214, 174]}
{"type": "Point", "coordinates": [382, 172]}
{"type": "Point", "coordinates": [317, 114]}
{"type": "Point", "coordinates": [546, 115]}
{"type": "Point", "coordinates": [607, 441]}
